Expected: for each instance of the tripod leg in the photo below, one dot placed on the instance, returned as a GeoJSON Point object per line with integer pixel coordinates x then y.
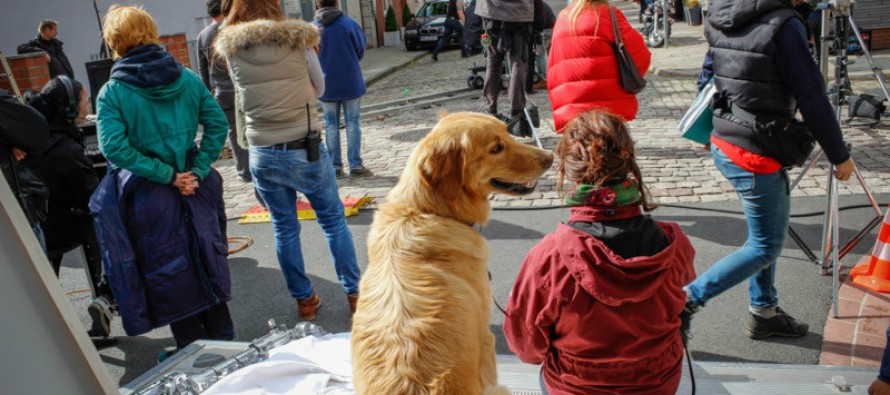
{"type": "Point", "coordinates": [807, 169]}
{"type": "Point", "coordinates": [835, 279]}
{"type": "Point", "coordinates": [829, 220]}
{"type": "Point", "coordinates": [874, 67]}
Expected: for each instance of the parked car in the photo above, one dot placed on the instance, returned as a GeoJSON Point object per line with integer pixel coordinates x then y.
{"type": "Point", "coordinates": [427, 26]}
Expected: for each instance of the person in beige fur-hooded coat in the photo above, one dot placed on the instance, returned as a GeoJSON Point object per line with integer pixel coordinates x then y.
{"type": "Point", "coordinates": [278, 79]}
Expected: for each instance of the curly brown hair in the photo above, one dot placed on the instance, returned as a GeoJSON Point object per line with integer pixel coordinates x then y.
{"type": "Point", "coordinates": [596, 148]}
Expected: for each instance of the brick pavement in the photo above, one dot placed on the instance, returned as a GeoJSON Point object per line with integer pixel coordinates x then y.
{"type": "Point", "coordinates": [676, 170]}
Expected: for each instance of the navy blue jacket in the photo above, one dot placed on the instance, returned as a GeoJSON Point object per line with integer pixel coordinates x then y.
{"type": "Point", "coordinates": [164, 253]}
{"type": "Point", "coordinates": [341, 49]}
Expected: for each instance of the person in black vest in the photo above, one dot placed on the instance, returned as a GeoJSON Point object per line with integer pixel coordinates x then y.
{"type": "Point", "coordinates": [762, 68]}
{"type": "Point", "coordinates": [454, 22]}
{"type": "Point", "coordinates": [46, 41]}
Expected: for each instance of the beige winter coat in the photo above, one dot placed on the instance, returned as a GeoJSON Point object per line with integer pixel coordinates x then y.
{"type": "Point", "coordinates": [267, 62]}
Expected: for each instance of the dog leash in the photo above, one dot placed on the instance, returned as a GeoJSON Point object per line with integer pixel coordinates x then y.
{"type": "Point", "coordinates": [498, 305]}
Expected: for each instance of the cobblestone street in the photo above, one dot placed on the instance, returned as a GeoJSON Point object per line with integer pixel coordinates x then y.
{"type": "Point", "coordinates": [675, 169]}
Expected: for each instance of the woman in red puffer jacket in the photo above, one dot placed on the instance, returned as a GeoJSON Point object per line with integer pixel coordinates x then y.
{"type": "Point", "coordinates": [582, 72]}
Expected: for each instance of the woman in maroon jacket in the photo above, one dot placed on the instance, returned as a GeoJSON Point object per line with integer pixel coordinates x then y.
{"type": "Point", "coordinates": [582, 72]}
{"type": "Point", "coordinates": [598, 301]}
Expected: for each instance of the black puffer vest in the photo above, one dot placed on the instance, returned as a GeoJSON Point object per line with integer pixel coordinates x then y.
{"type": "Point", "coordinates": [741, 35]}
{"type": "Point", "coordinates": [742, 39]}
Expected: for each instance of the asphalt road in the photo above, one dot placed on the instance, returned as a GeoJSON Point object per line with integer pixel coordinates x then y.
{"type": "Point", "coordinates": [260, 293]}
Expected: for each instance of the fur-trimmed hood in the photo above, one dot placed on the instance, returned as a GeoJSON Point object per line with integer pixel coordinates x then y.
{"type": "Point", "coordinates": [290, 34]}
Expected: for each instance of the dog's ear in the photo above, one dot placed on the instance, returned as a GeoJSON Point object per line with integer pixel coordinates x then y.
{"type": "Point", "coordinates": [443, 113]}
{"type": "Point", "coordinates": [442, 170]}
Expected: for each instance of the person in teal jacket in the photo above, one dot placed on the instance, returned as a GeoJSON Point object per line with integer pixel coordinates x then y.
{"type": "Point", "coordinates": [148, 118]}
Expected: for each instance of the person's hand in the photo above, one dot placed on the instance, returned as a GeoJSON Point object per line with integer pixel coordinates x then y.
{"type": "Point", "coordinates": [48, 59]}
{"type": "Point", "coordinates": [879, 387]}
{"type": "Point", "coordinates": [18, 154]}
{"type": "Point", "coordinates": [186, 182]}
{"type": "Point", "coordinates": [842, 171]}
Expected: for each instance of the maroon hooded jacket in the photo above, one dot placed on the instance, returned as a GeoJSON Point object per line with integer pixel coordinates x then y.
{"type": "Point", "coordinates": [599, 323]}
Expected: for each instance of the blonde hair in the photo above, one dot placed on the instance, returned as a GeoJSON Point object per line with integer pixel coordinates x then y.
{"type": "Point", "coordinates": [128, 27]}
{"type": "Point", "coordinates": [578, 6]}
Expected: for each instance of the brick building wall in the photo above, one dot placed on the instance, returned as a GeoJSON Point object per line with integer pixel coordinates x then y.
{"type": "Point", "coordinates": [31, 71]}
{"type": "Point", "coordinates": [177, 45]}
{"type": "Point", "coordinates": [874, 15]}
{"type": "Point", "coordinates": [880, 39]}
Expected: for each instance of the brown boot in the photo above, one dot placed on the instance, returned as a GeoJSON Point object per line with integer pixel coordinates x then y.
{"type": "Point", "coordinates": [353, 302]}
{"type": "Point", "coordinates": [540, 85]}
{"type": "Point", "coordinates": [308, 307]}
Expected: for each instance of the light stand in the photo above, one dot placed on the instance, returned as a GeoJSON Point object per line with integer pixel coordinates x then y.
{"type": "Point", "coordinates": [832, 252]}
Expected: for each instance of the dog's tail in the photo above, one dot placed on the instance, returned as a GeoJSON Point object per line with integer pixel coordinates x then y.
{"type": "Point", "coordinates": [496, 390]}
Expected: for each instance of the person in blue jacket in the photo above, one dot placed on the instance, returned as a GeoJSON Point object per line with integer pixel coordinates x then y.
{"type": "Point", "coordinates": [160, 217]}
{"type": "Point", "coordinates": [340, 51]}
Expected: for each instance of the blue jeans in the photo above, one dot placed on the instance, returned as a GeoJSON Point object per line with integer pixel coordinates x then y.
{"type": "Point", "coordinates": [451, 26]}
{"type": "Point", "coordinates": [351, 110]}
{"type": "Point", "coordinates": [278, 174]}
{"type": "Point", "coordinates": [766, 202]}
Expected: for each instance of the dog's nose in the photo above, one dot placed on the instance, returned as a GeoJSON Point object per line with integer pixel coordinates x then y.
{"type": "Point", "coordinates": [547, 160]}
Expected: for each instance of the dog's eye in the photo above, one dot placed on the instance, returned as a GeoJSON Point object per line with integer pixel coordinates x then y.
{"type": "Point", "coordinates": [497, 149]}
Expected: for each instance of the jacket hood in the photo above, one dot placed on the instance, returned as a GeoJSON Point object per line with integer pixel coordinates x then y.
{"type": "Point", "coordinates": [326, 16]}
{"type": "Point", "coordinates": [616, 281]}
{"type": "Point", "coordinates": [728, 15]}
{"type": "Point", "coordinates": [147, 66]}
{"type": "Point", "coordinates": [265, 41]}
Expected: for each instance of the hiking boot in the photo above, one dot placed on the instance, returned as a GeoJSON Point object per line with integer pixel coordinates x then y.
{"type": "Point", "coordinates": [360, 172]}
{"type": "Point", "coordinates": [100, 312]}
{"type": "Point", "coordinates": [353, 302]}
{"type": "Point", "coordinates": [540, 85]}
{"type": "Point", "coordinates": [781, 325]}
{"type": "Point", "coordinates": [308, 307]}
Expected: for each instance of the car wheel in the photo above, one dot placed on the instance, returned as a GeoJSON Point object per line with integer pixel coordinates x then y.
{"type": "Point", "coordinates": [410, 47]}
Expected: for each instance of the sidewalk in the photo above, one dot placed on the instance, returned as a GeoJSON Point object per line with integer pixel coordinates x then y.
{"type": "Point", "coordinates": [676, 170]}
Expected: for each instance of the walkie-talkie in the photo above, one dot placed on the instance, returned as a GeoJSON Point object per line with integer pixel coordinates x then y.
{"type": "Point", "coordinates": [313, 139]}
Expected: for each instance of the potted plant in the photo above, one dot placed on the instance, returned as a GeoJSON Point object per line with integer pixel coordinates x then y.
{"type": "Point", "coordinates": [692, 8]}
{"type": "Point", "coordinates": [406, 17]}
{"type": "Point", "coordinates": [390, 29]}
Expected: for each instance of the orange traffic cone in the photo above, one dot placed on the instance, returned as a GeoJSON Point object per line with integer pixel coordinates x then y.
{"type": "Point", "coordinates": [875, 275]}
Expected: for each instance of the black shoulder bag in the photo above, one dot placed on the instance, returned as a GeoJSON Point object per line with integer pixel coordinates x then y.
{"type": "Point", "coordinates": [631, 80]}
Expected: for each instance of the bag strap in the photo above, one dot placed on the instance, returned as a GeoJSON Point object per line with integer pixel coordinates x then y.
{"type": "Point", "coordinates": [618, 39]}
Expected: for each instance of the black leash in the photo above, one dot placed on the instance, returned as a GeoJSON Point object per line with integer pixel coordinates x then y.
{"type": "Point", "coordinates": [689, 362]}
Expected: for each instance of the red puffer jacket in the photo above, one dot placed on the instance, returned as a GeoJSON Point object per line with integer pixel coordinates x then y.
{"type": "Point", "coordinates": [582, 73]}
{"type": "Point", "coordinates": [601, 324]}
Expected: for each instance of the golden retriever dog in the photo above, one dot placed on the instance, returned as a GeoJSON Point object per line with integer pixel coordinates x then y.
{"type": "Point", "coordinates": [421, 326]}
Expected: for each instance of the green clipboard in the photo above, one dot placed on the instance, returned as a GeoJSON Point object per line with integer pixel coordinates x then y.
{"type": "Point", "coordinates": [697, 123]}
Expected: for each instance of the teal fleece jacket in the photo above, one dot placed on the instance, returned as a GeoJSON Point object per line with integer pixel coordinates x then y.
{"type": "Point", "coordinates": [148, 130]}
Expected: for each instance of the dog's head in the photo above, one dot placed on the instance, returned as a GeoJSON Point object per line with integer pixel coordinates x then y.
{"type": "Point", "coordinates": [467, 156]}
